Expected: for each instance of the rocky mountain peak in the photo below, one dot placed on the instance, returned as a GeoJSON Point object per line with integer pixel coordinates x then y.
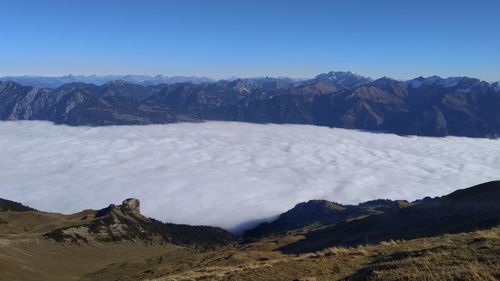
{"type": "Point", "coordinates": [131, 206]}
{"type": "Point", "coordinates": [344, 78]}
{"type": "Point", "coordinates": [126, 223]}
{"type": "Point", "coordinates": [117, 82]}
{"type": "Point", "coordinates": [496, 86]}
{"type": "Point", "coordinates": [9, 85]}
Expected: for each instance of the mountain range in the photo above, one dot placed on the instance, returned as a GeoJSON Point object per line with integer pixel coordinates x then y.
{"type": "Point", "coordinates": [145, 80]}
{"type": "Point", "coordinates": [431, 106]}
{"type": "Point", "coordinates": [468, 209]}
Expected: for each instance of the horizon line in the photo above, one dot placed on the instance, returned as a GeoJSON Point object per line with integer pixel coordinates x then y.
{"type": "Point", "coordinates": [235, 77]}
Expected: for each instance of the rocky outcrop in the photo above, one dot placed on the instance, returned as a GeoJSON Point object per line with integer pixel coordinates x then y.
{"type": "Point", "coordinates": [126, 223]}
{"type": "Point", "coordinates": [131, 206]}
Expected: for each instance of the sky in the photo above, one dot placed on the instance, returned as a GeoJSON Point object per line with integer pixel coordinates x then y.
{"type": "Point", "coordinates": [223, 38]}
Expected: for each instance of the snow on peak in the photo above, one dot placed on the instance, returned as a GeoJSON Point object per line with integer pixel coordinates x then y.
{"type": "Point", "coordinates": [496, 86]}
{"type": "Point", "coordinates": [345, 78]}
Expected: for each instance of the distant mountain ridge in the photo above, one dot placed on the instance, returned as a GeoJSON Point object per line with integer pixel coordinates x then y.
{"type": "Point", "coordinates": [431, 106]}
{"type": "Point", "coordinates": [144, 80]}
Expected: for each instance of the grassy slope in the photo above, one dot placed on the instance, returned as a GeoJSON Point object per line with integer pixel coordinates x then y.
{"type": "Point", "coordinates": [463, 256]}
{"type": "Point", "coordinates": [24, 255]}
{"type": "Point", "coordinates": [35, 223]}
{"type": "Point", "coordinates": [43, 260]}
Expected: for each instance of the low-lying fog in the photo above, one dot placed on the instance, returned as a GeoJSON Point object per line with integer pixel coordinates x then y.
{"type": "Point", "coordinates": [224, 173]}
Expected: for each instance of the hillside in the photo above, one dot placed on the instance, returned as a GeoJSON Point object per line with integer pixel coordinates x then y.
{"type": "Point", "coordinates": [453, 237]}
{"type": "Point", "coordinates": [316, 213]}
{"type": "Point", "coordinates": [36, 245]}
{"type": "Point", "coordinates": [7, 205]}
{"type": "Point", "coordinates": [470, 256]}
{"type": "Point", "coordinates": [469, 209]}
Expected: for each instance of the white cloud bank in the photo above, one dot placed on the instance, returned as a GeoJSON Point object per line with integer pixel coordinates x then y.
{"type": "Point", "coordinates": [223, 173]}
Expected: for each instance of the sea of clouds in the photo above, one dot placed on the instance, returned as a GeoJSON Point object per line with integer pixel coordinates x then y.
{"type": "Point", "coordinates": [225, 173]}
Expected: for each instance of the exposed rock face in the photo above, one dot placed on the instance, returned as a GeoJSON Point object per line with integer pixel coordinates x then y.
{"type": "Point", "coordinates": [126, 223]}
{"type": "Point", "coordinates": [346, 79]}
{"type": "Point", "coordinates": [132, 206]}
{"type": "Point", "coordinates": [430, 106]}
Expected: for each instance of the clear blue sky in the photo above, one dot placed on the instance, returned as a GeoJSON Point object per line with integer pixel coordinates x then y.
{"type": "Point", "coordinates": [396, 38]}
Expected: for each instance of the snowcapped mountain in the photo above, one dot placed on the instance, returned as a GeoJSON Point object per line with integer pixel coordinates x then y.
{"type": "Point", "coordinates": [431, 106]}
{"type": "Point", "coordinates": [345, 78]}
{"type": "Point", "coordinates": [145, 80]}
{"type": "Point", "coordinates": [496, 85]}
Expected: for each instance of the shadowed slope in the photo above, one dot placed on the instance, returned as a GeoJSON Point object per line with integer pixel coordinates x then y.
{"type": "Point", "coordinates": [477, 207]}
{"type": "Point", "coordinates": [7, 205]}
{"type": "Point", "coordinates": [321, 212]}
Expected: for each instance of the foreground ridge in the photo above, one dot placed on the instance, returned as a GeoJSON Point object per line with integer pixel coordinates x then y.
{"type": "Point", "coordinates": [125, 222]}
{"type": "Point", "coordinates": [466, 209]}
{"type": "Point", "coordinates": [452, 237]}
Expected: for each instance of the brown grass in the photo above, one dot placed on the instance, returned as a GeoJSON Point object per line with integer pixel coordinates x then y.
{"type": "Point", "coordinates": [467, 256]}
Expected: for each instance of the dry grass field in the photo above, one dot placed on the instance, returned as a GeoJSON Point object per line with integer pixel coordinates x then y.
{"type": "Point", "coordinates": [27, 254]}
{"type": "Point", "coordinates": [473, 256]}
{"type": "Point", "coordinates": [465, 256]}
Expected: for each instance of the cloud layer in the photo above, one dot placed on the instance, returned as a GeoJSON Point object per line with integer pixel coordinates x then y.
{"type": "Point", "coordinates": [224, 173]}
